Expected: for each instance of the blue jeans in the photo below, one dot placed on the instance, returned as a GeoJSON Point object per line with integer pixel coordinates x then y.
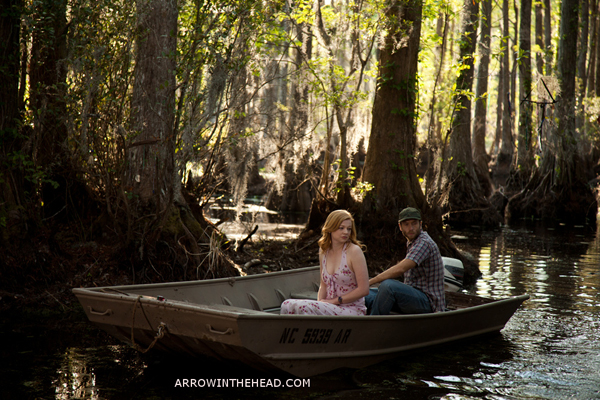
{"type": "Point", "coordinates": [396, 296]}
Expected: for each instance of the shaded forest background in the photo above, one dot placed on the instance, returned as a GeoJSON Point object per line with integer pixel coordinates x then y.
{"type": "Point", "coordinates": [121, 123]}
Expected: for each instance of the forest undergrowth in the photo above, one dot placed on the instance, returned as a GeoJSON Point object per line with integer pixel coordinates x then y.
{"type": "Point", "coordinates": [40, 272]}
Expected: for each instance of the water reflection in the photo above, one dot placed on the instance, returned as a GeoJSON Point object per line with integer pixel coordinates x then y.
{"type": "Point", "coordinates": [75, 378]}
{"type": "Point", "coordinates": [550, 267]}
{"type": "Point", "coordinates": [557, 332]}
{"type": "Point", "coordinates": [459, 370]}
{"type": "Point", "coordinates": [271, 224]}
{"type": "Point", "coordinates": [89, 373]}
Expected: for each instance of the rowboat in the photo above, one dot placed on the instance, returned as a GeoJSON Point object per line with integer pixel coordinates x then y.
{"type": "Point", "coordinates": [238, 319]}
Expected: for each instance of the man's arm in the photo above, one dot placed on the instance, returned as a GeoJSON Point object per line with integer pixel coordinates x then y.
{"type": "Point", "coordinates": [395, 271]}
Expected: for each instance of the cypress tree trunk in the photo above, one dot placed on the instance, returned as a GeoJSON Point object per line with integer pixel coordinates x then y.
{"type": "Point", "coordinates": [151, 153]}
{"type": "Point", "coordinates": [505, 154]}
{"type": "Point", "coordinates": [480, 156]}
{"type": "Point", "coordinates": [594, 82]}
{"type": "Point", "coordinates": [47, 83]}
{"type": "Point", "coordinates": [548, 37]}
{"type": "Point", "coordinates": [495, 147]}
{"type": "Point", "coordinates": [390, 164]}
{"type": "Point", "coordinates": [539, 36]}
{"type": "Point", "coordinates": [558, 190]}
{"type": "Point", "coordinates": [296, 194]}
{"type": "Point", "coordinates": [581, 66]}
{"type": "Point", "coordinates": [591, 68]}
{"type": "Point", "coordinates": [10, 26]}
{"type": "Point", "coordinates": [522, 169]}
{"type": "Point", "coordinates": [152, 195]}
{"type": "Point", "coordinates": [12, 181]}
{"type": "Point", "coordinates": [458, 191]}
{"type": "Point", "coordinates": [566, 154]}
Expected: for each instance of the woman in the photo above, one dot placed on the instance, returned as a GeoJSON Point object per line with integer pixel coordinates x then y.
{"type": "Point", "coordinates": [344, 275]}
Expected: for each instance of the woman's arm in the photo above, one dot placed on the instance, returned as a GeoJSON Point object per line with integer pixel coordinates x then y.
{"type": "Point", "coordinates": [322, 287]}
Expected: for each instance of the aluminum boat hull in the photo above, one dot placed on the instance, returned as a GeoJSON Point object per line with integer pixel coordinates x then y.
{"type": "Point", "coordinates": [238, 319]}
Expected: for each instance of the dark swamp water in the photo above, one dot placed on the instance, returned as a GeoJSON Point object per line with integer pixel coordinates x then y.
{"type": "Point", "coordinates": [550, 349]}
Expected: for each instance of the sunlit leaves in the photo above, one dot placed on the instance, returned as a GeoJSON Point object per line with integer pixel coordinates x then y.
{"type": "Point", "coordinates": [100, 40]}
{"type": "Point", "coordinates": [302, 12]}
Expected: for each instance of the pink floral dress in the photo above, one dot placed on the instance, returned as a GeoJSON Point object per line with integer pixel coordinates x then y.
{"type": "Point", "coordinates": [341, 282]}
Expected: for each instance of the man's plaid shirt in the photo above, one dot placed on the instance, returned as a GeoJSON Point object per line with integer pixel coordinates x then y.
{"type": "Point", "coordinates": [428, 275]}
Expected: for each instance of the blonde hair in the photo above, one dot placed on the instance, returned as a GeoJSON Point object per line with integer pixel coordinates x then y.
{"type": "Point", "coordinates": [332, 224]}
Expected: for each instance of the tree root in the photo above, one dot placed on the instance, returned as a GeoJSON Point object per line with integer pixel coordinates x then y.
{"type": "Point", "coordinates": [543, 199]}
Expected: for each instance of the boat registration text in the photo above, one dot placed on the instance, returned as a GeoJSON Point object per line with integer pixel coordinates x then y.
{"type": "Point", "coordinates": [315, 336]}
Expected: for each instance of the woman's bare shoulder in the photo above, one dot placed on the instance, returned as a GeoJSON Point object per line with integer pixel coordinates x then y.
{"type": "Point", "coordinates": [354, 249]}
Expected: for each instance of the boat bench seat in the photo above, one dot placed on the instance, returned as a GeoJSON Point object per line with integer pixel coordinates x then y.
{"type": "Point", "coordinates": [241, 310]}
{"type": "Point", "coordinates": [310, 295]}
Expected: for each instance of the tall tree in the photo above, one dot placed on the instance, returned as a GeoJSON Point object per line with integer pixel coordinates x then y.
{"type": "Point", "coordinates": [566, 156]}
{"type": "Point", "coordinates": [434, 137]}
{"type": "Point", "coordinates": [522, 168]}
{"type": "Point", "coordinates": [594, 47]}
{"type": "Point", "coordinates": [9, 72]}
{"type": "Point", "coordinates": [567, 59]}
{"type": "Point", "coordinates": [495, 147]}
{"type": "Point", "coordinates": [295, 182]}
{"type": "Point", "coordinates": [11, 141]}
{"type": "Point", "coordinates": [548, 37]}
{"type": "Point", "coordinates": [581, 63]}
{"type": "Point", "coordinates": [480, 156]}
{"type": "Point", "coordinates": [335, 80]}
{"type": "Point", "coordinates": [151, 154]}
{"type": "Point", "coordinates": [591, 68]}
{"type": "Point", "coordinates": [390, 164]}
{"type": "Point", "coordinates": [457, 190]}
{"type": "Point", "coordinates": [595, 87]}
{"type": "Point", "coordinates": [152, 193]}
{"type": "Point", "coordinates": [344, 108]}
{"type": "Point", "coordinates": [539, 37]}
{"type": "Point", "coordinates": [47, 77]}
{"type": "Point", "coordinates": [558, 190]}
{"type": "Point", "coordinates": [515, 62]}
{"type": "Point", "coordinates": [504, 157]}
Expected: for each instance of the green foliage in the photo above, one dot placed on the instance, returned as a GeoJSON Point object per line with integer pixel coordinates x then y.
{"type": "Point", "coordinates": [347, 179]}
{"type": "Point", "coordinates": [461, 168]}
{"type": "Point", "coordinates": [303, 12]}
{"type": "Point", "coordinates": [520, 54]}
{"type": "Point", "coordinates": [363, 188]}
{"type": "Point", "coordinates": [225, 46]}
{"type": "Point", "coordinates": [341, 61]}
{"type": "Point", "coordinates": [345, 176]}
{"type": "Point", "coordinates": [19, 160]}
{"type": "Point", "coordinates": [401, 154]}
{"type": "Point", "coordinates": [213, 42]}
{"type": "Point", "coordinates": [331, 75]}
{"type": "Point", "coordinates": [435, 86]}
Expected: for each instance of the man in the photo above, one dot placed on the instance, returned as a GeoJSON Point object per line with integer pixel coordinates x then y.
{"type": "Point", "coordinates": [423, 270]}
